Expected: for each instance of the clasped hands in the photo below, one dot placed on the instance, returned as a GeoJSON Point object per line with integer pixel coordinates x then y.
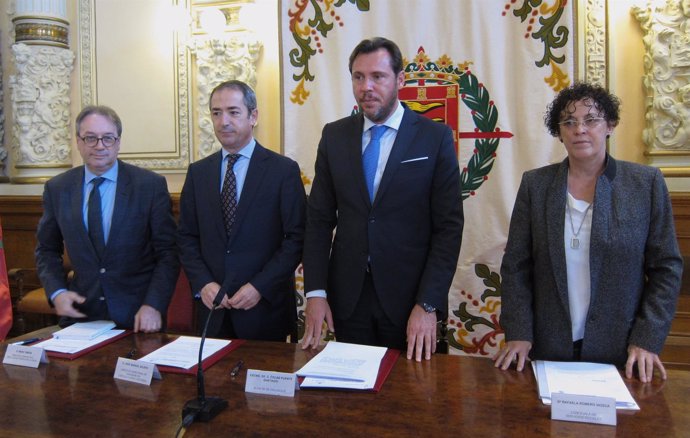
{"type": "Point", "coordinates": [245, 298]}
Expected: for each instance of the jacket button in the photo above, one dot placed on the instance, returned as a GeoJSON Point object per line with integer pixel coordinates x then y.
{"type": "Point", "coordinates": [102, 270]}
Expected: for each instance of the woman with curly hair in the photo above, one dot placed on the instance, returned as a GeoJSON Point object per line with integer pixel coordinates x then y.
{"type": "Point", "coordinates": [591, 270]}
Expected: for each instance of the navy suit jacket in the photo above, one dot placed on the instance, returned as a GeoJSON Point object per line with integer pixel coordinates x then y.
{"type": "Point", "coordinates": [140, 265]}
{"type": "Point", "coordinates": [264, 247]}
{"type": "Point", "coordinates": [635, 265]}
{"type": "Point", "coordinates": [412, 232]}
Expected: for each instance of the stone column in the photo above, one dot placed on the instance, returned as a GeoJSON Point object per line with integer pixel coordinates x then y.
{"type": "Point", "coordinates": [40, 91]}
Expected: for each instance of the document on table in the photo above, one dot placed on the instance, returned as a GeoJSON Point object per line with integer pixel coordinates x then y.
{"type": "Point", "coordinates": [71, 346]}
{"type": "Point", "coordinates": [183, 352]}
{"type": "Point", "coordinates": [84, 330]}
{"type": "Point", "coordinates": [582, 378]}
{"type": "Point", "coordinates": [343, 365]}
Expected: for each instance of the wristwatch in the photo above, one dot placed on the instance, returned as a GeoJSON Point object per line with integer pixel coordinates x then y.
{"type": "Point", "coordinates": [428, 308]}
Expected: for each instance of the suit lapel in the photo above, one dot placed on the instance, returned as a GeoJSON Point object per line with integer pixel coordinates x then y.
{"type": "Point", "coordinates": [352, 139]}
{"type": "Point", "coordinates": [77, 208]}
{"type": "Point", "coordinates": [123, 196]}
{"type": "Point", "coordinates": [255, 174]}
{"type": "Point", "coordinates": [403, 140]}
{"type": "Point", "coordinates": [555, 221]}
{"type": "Point", "coordinates": [602, 211]}
{"type": "Point", "coordinates": [210, 177]}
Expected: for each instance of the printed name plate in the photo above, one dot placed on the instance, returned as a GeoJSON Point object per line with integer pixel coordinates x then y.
{"type": "Point", "coordinates": [583, 408]}
{"type": "Point", "coordinates": [25, 356]}
{"type": "Point", "coordinates": [136, 371]}
{"type": "Point", "coordinates": [271, 383]}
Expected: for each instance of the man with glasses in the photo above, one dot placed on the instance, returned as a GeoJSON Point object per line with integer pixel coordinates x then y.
{"type": "Point", "coordinates": [115, 222]}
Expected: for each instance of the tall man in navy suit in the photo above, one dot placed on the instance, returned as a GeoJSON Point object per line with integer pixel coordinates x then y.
{"type": "Point", "coordinates": [241, 225]}
{"type": "Point", "coordinates": [397, 212]}
{"type": "Point", "coordinates": [115, 222]}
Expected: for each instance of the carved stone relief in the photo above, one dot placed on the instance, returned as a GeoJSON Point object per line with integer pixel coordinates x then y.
{"type": "Point", "coordinates": [666, 28]}
{"type": "Point", "coordinates": [218, 60]}
{"type": "Point", "coordinates": [3, 151]}
{"type": "Point", "coordinates": [40, 103]}
{"type": "Point", "coordinates": [595, 42]}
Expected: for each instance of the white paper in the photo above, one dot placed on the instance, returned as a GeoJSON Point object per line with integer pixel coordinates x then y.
{"type": "Point", "coordinates": [24, 356]}
{"type": "Point", "coordinates": [271, 383]}
{"type": "Point", "coordinates": [583, 408]}
{"type": "Point", "coordinates": [183, 352]}
{"type": "Point", "coordinates": [71, 346]}
{"type": "Point", "coordinates": [135, 371]}
{"type": "Point", "coordinates": [84, 330]}
{"type": "Point", "coordinates": [582, 378]}
{"type": "Point", "coordinates": [343, 365]}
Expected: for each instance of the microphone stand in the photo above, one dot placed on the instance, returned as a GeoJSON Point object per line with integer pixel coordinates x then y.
{"type": "Point", "coordinates": [203, 408]}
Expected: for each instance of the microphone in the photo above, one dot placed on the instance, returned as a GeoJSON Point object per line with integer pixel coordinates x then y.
{"type": "Point", "coordinates": [204, 408]}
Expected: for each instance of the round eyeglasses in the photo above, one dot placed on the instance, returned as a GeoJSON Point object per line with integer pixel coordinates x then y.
{"type": "Point", "coordinates": [589, 122]}
{"type": "Point", "coordinates": [107, 140]}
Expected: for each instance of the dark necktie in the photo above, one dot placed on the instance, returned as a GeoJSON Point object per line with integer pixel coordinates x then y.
{"type": "Point", "coordinates": [370, 157]}
{"type": "Point", "coordinates": [228, 195]}
{"type": "Point", "coordinates": [95, 217]}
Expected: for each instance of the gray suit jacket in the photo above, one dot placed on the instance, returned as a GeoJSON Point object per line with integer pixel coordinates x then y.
{"type": "Point", "coordinates": [140, 265]}
{"type": "Point", "coordinates": [635, 265]}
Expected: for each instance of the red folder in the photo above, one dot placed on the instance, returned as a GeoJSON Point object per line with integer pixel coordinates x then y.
{"type": "Point", "coordinates": [387, 363]}
{"type": "Point", "coordinates": [72, 356]}
{"type": "Point", "coordinates": [206, 363]}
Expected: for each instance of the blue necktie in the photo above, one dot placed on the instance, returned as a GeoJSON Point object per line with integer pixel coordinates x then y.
{"type": "Point", "coordinates": [370, 157]}
{"type": "Point", "coordinates": [95, 217]}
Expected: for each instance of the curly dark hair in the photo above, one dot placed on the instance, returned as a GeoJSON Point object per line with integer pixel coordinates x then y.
{"type": "Point", "coordinates": [601, 99]}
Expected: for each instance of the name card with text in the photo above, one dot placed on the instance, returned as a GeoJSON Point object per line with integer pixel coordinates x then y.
{"type": "Point", "coordinates": [271, 383]}
{"type": "Point", "coordinates": [25, 356]}
{"type": "Point", "coordinates": [136, 371]}
{"type": "Point", "coordinates": [583, 408]}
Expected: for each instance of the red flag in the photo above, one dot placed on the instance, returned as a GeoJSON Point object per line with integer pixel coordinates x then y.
{"type": "Point", "coordinates": [5, 301]}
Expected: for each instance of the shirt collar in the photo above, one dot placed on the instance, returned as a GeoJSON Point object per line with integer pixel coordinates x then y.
{"type": "Point", "coordinates": [110, 174]}
{"type": "Point", "coordinates": [393, 121]}
{"type": "Point", "coordinates": [246, 151]}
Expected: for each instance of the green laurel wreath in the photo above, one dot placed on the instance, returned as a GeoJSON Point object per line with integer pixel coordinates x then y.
{"type": "Point", "coordinates": [484, 114]}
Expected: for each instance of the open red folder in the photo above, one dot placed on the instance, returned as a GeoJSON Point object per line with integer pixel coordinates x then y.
{"type": "Point", "coordinates": [206, 363]}
{"type": "Point", "coordinates": [80, 353]}
{"type": "Point", "coordinates": [387, 363]}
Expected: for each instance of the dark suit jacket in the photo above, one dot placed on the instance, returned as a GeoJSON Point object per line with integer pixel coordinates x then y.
{"type": "Point", "coordinates": [411, 233]}
{"type": "Point", "coordinates": [635, 265]}
{"type": "Point", "coordinates": [263, 249]}
{"type": "Point", "coordinates": [140, 265]}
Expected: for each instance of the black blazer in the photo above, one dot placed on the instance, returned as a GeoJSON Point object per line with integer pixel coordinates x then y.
{"type": "Point", "coordinates": [140, 265]}
{"type": "Point", "coordinates": [412, 232]}
{"type": "Point", "coordinates": [263, 249]}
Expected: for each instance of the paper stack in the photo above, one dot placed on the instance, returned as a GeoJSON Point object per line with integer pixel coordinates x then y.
{"type": "Point", "coordinates": [344, 366]}
{"type": "Point", "coordinates": [582, 378]}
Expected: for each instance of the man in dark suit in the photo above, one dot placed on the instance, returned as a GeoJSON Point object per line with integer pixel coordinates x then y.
{"type": "Point", "coordinates": [388, 181]}
{"type": "Point", "coordinates": [242, 225]}
{"type": "Point", "coordinates": [115, 222]}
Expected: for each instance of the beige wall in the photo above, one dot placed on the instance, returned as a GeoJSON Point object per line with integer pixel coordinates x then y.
{"type": "Point", "coordinates": [624, 76]}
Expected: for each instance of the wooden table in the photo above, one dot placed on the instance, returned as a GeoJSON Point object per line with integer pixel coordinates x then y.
{"type": "Point", "coordinates": [454, 395]}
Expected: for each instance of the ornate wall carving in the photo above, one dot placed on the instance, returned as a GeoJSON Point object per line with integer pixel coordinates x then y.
{"type": "Point", "coordinates": [666, 28]}
{"type": "Point", "coordinates": [3, 151]}
{"type": "Point", "coordinates": [594, 45]}
{"type": "Point", "coordinates": [40, 104]}
{"type": "Point", "coordinates": [218, 60]}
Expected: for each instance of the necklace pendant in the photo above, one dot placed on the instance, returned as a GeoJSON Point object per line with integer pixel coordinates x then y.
{"type": "Point", "coordinates": [575, 243]}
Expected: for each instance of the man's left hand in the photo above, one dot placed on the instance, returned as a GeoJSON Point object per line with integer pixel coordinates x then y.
{"type": "Point", "coordinates": [421, 333]}
{"type": "Point", "coordinates": [147, 320]}
{"type": "Point", "coordinates": [245, 298]}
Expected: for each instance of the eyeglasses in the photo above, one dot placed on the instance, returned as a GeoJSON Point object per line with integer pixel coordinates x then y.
{"type": "Point", "coordinates": [589, 122]}
{"type": "Point", "coordinates": [91, 140]}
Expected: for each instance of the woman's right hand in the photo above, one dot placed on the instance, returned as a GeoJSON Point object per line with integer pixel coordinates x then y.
{"type": "Point", "coordinates": [513, 351]}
